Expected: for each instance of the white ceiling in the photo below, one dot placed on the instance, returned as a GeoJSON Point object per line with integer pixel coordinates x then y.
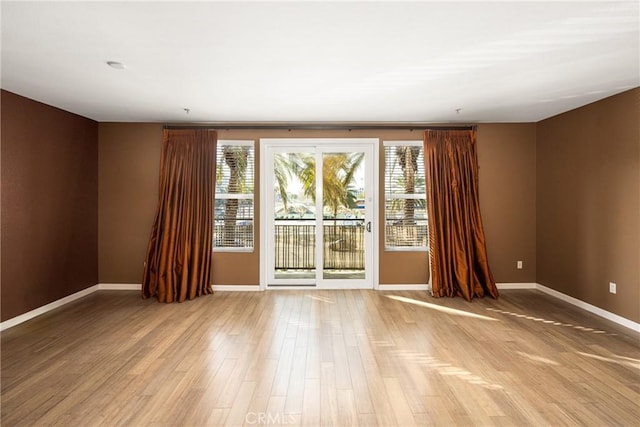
{"type": "Point", "coordinates": [320, 61]}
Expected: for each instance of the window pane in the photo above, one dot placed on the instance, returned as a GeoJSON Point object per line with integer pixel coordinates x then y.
{"type": "Point", "coordinates": [405, 196]}
{"type": "Point", "coordinates": [234, 169]}
{"type": "Point", "coordinates": [233, 223]}
{"type": "Point", "coordinates": [404, 170]}
{"type": "Point", "coordinates": [401, 233]}
{"type": "Point", "coordinates": [234, 214]}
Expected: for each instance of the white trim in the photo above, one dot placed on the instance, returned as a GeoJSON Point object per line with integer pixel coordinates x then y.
{"type": "Point", "coordinates": [590, 308]}
{"type": "Point", "coordinates": [232, 142]}
{"type": "Point", "coordinates": [411, 143]}
{"type": "Point", "coordinates": [268, 146]}
{"type": "Point", "coordinates": [375, 169]}
{"type": "Point", "coordinates": [517, 285]}
{"type": "Point", "coordinates": [404, 287]}
{"type": "Point", "coordinates": [407, 196]}
{"type": "Point", "coordinates": [244, 196]}
{"type": "Point", "coordinates": [314, 288]}
{"type": "Point", "coordinates": [46, 308]}
{"type": "Point", "coordinates": [262, 201]}
{"type": "Point", "coordinates": [406, 249]}
{"type": "Point", "coordinates": [236, 288]}
{"type": "Point", "coordinates": [230, 249]}
{"type": "Point", "coordinates": [119, 287]}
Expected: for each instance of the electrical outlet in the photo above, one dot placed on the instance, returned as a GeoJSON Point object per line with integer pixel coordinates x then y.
{"type": "Point", "coordinates": [612, 288]}
{"type": "Point", "coordinates": [519, 265]}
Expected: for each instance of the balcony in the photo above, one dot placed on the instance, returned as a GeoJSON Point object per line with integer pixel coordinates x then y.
{"type": "Point", "coordinates": [343, 242]}
{"type": "Point", "coordinates": [295, 244]}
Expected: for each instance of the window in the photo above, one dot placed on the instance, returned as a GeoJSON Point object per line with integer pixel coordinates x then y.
{"type": "Point", "coordinates": [233, 217]}
{"type": "Point", "coordinates": [405, 196]}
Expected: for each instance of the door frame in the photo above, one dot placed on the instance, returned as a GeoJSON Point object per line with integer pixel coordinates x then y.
{"type": "Point", "coordinates": [372, 201]}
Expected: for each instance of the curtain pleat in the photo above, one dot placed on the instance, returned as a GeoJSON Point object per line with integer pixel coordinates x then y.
{"type": "Point", "coordinates": [178, 259]}
{"type": "Point", "coordinates": [459, 262]}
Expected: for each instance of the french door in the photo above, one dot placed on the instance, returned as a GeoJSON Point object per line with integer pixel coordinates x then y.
{"type": "Point", "coordinates": [318, 213]}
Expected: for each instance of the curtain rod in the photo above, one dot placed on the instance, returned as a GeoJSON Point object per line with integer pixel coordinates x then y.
{"type": "Point", "coordinates": [321, 126]}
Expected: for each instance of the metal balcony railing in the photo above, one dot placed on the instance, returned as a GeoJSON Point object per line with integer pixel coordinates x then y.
{"type": "Point", "coordinates": [343, 240]}
{"type": "Point", "coordinates": [295, 244]}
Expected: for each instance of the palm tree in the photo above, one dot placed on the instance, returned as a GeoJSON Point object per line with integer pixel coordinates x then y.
{"type": "Point", "coordinates": [338, 170]}
{"type": "Point", "coordinates": [285, 165]}
{"type": "Point", "coordinates": [236, 159]}
{"type": "Point", "coordinates": [408, 160]}
{"type": "Point", "coordinates": [338, 173]}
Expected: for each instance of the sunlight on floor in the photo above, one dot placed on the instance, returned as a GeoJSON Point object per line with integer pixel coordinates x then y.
{"type": "Point", "coordinates": [440, 308]}
{"type": "Point", "coordinates": [619, 360]}
{"type": "Point", "coordinates": [538, 359]}
{"type": "Point", "coordinates": [379, 343]}
{"type": "Point", "coordinates": [550, 322]}
{"type": "Point", "coordinates": [445, 369]}
{"type": "Point", "coordinates": [319, 298]}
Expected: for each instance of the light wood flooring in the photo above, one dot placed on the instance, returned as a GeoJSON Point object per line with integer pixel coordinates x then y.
{"type": "Point", "coordinates": [342, 358]}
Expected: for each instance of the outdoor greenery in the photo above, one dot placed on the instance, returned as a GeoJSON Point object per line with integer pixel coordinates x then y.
{"type": "Point", "coordinates": [338, 177]}
{"type": "Point", "coordinates": [408, 159]}
{"type": "Point", "coordinates": [235, 157]}
{"type": "Point", "coordinates": [338, 171]}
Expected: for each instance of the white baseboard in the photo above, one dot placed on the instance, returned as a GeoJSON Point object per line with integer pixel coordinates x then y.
{"type": "Point", "coordinates": [45, 308]}
{"type": "Point", "coordinates": [428, 287]}
{"type": "Point", "coordinates": [401, 287]}
{"type": "Point", "coordinates": [236, 288]}
{"type": "Point", "coordinates": [120, 286]}
{"type": "Point", "coordinates": [517, 285]}
{"type": "Point", "coordinates": [138, 287]}
{"type": "Point", "coordinates": [277, 288]}
{"type": "Point", "coordinates": [252, 288]}
{"type": "Point", "coordinates": [590, 308]}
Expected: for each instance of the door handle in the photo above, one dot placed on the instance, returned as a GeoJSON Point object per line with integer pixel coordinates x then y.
{"type": "Point", "coordinates": [369, 226]}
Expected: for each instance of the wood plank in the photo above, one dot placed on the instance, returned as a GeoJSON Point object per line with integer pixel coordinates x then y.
{"type": "Point", "coordinates": [320, 358]}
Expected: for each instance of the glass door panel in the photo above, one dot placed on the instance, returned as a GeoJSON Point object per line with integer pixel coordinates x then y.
{"type": "Point", "coordinates": [294, 217]}
{"type": "Point", "coordinates": [343, 215]}
{"type": "Point", "coordinates": [318, 209]}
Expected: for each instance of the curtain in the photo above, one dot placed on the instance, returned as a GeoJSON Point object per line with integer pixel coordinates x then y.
{"type": "Point", "coordinates": [178, 260]}
{"type": "Point", "coordinates": [459, 264]}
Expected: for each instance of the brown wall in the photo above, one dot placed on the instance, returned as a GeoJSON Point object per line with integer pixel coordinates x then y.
{"type": "Point", "coordinates": [507, 159]}
{"type": "Point", "coordinates": [562, 195]}
{"type": "Point", "coordinates": [129, 159]}
{"type": "Point", "coordinates": [49, 204]}
{"type": "Point", "coordinates": [588, 203]}
{"type": "Point", "coordinates": [127, 198]}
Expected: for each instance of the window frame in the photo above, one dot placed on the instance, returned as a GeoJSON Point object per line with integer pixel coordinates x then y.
{"type": "Point", "coordinates": [239, 196]}
{"type": "Point", "coordinates": [400, 196]}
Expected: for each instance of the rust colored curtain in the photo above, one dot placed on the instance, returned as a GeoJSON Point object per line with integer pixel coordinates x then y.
{"type": "Point", "coordinates": [459, 264]}
{"type": "Point", "coordinates": [178, 260]}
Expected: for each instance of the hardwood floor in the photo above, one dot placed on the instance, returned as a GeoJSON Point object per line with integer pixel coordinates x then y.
{"type": "Point", "coordinates": [341, 358]}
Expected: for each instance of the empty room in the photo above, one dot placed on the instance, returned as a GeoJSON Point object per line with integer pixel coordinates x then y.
{"type": "Point", "coordinates": [374, 213]}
